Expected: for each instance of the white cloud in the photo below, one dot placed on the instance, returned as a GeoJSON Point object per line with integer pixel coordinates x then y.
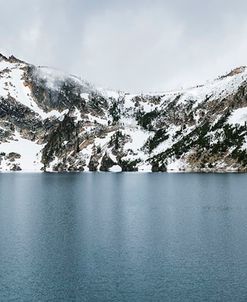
{"type": "Point", "coordinates": [131, 45]}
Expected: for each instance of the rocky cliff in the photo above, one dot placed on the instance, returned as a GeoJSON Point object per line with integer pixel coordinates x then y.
{"type": "Point", "coordinates": [50, 121]}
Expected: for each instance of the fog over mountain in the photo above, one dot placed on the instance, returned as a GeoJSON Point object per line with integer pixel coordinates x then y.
{"type": "Point", "coordinates": [129, 45]}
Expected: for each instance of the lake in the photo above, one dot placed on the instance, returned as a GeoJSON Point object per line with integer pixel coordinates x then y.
{"type": "Point", "coordinates": [123, 237]}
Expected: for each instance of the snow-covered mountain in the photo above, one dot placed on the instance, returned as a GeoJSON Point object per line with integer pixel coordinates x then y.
{"type": "Point", "coordinates": [50, 121]}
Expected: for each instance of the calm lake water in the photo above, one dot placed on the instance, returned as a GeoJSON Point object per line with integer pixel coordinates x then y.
{"type": "Point", "coordinates": [123, 237]}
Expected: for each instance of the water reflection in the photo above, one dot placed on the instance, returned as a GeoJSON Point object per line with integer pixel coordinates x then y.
{"type": "Point", "coordinates": [123, 237]}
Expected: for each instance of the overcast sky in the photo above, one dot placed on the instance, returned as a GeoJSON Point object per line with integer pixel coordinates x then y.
{"type": "Point", "coordinates": [133, 45]}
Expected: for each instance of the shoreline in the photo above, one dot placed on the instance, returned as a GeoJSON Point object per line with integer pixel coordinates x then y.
{"type": "Point", "coordinates": [130, 172]}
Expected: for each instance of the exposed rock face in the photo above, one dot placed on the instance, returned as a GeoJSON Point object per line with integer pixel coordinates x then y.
{"type": "Point", "coordinates": [50, 121]}
{"type": "Point", "coordinates": [106, 163]}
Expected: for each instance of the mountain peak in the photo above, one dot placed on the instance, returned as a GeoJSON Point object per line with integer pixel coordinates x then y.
{"type": "Point", "coordinates": [13, 59]}
{"type": "Point", "coordinates": [3, 58]}
{"type": "Point", "coordinates": [236, 71]}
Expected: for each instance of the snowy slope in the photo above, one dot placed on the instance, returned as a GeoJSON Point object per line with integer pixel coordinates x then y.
{"type": "Point", "coordinates": [30, 154]}
{"type": "Point", "coordinates": [56, 122]}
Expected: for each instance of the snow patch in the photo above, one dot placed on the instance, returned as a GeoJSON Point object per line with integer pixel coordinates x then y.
{"type": "Point", "coordinates": [115, 168]}
{"type": "Point", "coordinates": [30, 160]}
{"type": "Point", "coordinates": [238, 116]}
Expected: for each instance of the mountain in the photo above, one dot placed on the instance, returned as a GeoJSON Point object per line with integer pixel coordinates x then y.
{"type": "Point", "coordinates": [50, 121]}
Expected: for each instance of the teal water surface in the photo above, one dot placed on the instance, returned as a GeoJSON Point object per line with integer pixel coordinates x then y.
{"type": "Point", "coordinates": [123, 237]}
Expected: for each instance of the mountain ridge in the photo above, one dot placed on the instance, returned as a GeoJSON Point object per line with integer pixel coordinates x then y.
{"type": "Point", "coordinates": [50, 121]}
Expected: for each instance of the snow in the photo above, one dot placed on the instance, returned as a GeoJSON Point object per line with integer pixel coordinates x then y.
{"type": "Point", "coordinates": [112, 156]}
{"type": "Point", "coordinates": [163, 146]}
{"type": "Point", "coordinates": [137, 134]}
{"type": "Point", "coordinates": [4, 65]}
{"type": "Point", "coordinates": [176, 165]}
{"type": "Point", "coordinates": [109, 93]}
{"type": "Point", "coordinates": [15, 87]}
{"type": "Point", "coordinates": [99, 120]}
{"type": "Point", "coordinates": [128, 101]}
{"type": "Point", "coordinates": [128, 122]}
{"type": "Point", "coordinates": [145, 168]}
{"type": "Point", "coordinates": [102, 142]}
{"type": "Point", "coordinates": [147, 106]}
{"type": "Point", "coordinates": [130, 104]}
{"type": "Point", "coordinates": [12, 84]}
{"type": "Point", "coordinates": [238, 116]}
{"type": "Point", "coordinates": [137, 141]}
{"type": "Point", "coordinates": [115, 168]}
{"type": "Point", "coordinates": [244, 146]}
{"type": "Point", "coordinates": [29, 151]}
{"type": "Point", "coordinates": [77, 115]}
{"type": "Point", "coordinates": [215, 89]}
{"type": "Point", "coordinates": [52, 164]}
{"type": "Point", "coordinates": [86, 154]}
{"type": "Point", "coordinates": [84, 96]}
